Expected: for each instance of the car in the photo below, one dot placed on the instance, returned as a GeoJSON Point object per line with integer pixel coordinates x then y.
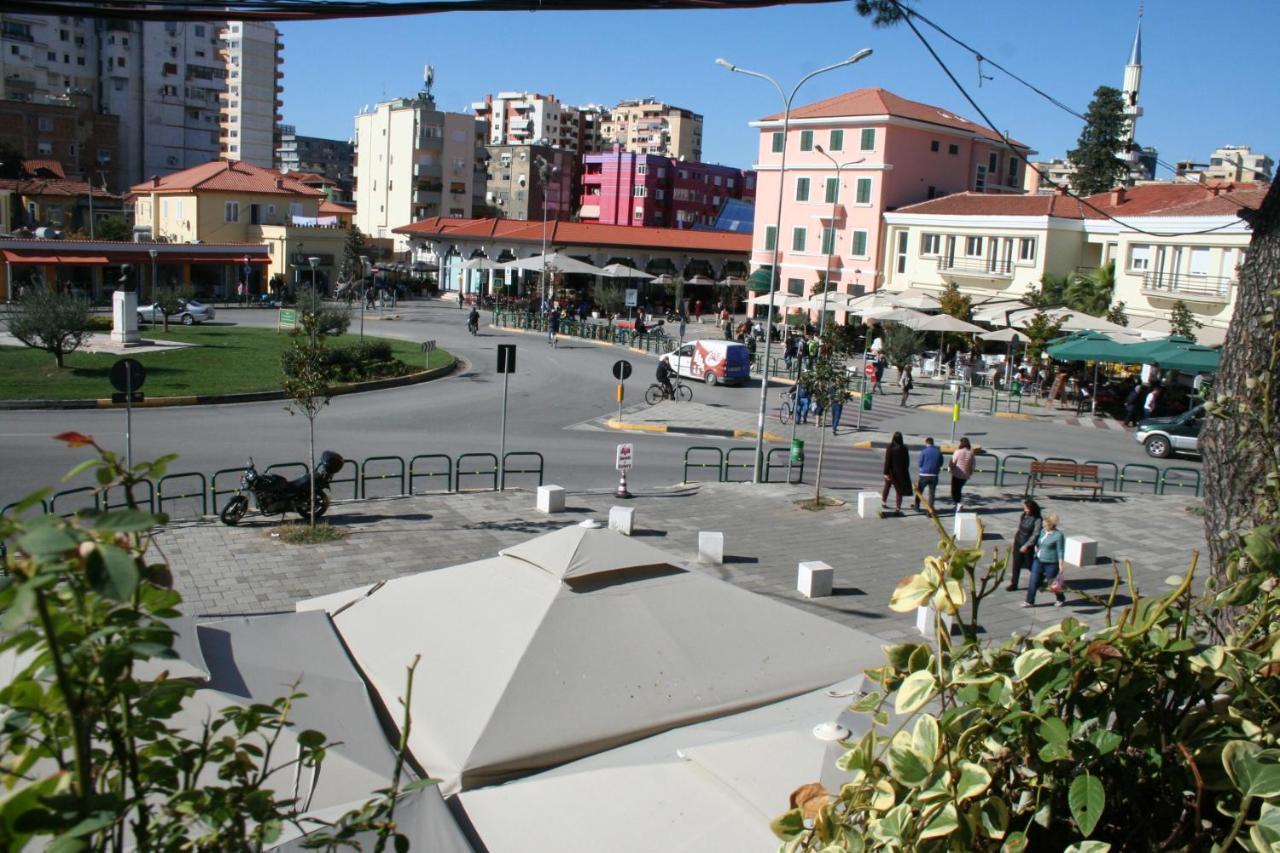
{"type": "Point", "coordinates": [191, 312]}
{"type": "Point", "coordinates": [1162, 437]}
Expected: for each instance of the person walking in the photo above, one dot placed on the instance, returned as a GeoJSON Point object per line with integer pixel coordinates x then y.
{"type": "Point", "coordinates": [1044, 566]}
{"type": "Point", "coordinates": [961, 469]}
{"type": "Point", "coordinates": [837, 410]}
{"type": "Point", "coordinates": [907, 385]}
{"type": "Point", "coordinates": [1133, 405]}
{"type": "Point", "coordinates": [1030, 526]}
{"type": "Point", "coordinates": [553, 329]}
{"type": "Point", "coordinates": [930, 465]}
{"type": "Point", "coordinates": [1151, 405]}
{"type": "Point", "coordinates": [802, 403]}
{"type": "Point", "coordinates": [811, 351]}
{"type": "Point", "coordinates": [897, 471]}
{"type": "Point", "coordinates": [789, 351]}
{"type": "Point", "coordinates": [880, 363]}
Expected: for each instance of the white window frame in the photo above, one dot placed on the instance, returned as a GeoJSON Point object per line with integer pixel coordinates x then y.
{"type": "Point", "coordinates": [973, 246]}
{"type": "Point", "coordinates": [1201, 252]}
{"type": "Point", "coordinates": [930, 245]}
{"type": "Point", "coordinates": [1139, 257]}
{"type": "Point", "coordinates": [857, 187]}
{"type": "Point", "coordinates": [853, 243]}
{"type": "Point", "coordinates": [828, 195]}
{"type": "Point", "coordinates": [808, 189]}
{"type": "Point", "coordinates": [802, 233]}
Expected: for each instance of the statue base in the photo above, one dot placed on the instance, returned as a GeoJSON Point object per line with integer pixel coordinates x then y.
{"type": "Point", "coordinates": [124, 318]}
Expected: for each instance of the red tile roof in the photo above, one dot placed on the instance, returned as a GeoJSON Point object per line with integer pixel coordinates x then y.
{"type": "Point", "coordinates": [311, 178]}
{"type": "Point", "coordinates": [877, 102]}
{"type": "Point", "coordinates": [1175, 199]}
{"type": "Point", "coordinates": [54, 167]}
{"type": "Point", "coordinates": [333, 208]}
{"type": "Point", "coordinates": [52, 186]}
{"type": "Point", "coordinates": [581, 233]}
{"type": "Point", "coordinates": [226, 176]}
{"type": "Point", "coordinates": [989, 204]}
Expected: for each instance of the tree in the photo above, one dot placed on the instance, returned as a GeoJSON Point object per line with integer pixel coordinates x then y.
{"type": "Point", "coordinates": [171, 300]}
{"type": "Point", "coordinates": [1041, 329]}
{"type": "Point", "coordinates": [308, 380]}
{"type": "Point", "coordinates": [1183, 322]}
{"type": "Point", "coordinates": [331, 318]}
{"type": "Point", "coordinates": [1052, 292]}
{"type": "Point", "coordinates": [958, 305]}
{"type": "Point", "coordinates": [1096, 155]}
{"type": "Point", "coordinates": [46, 320]}
{"type": "Point", "coordinates": [354, 250]}
{"type": "Point", "coordinates": [1116, 314]}
{"type": "Point", "coordinates": [902, 345]}
{"type": "Point", "coordinates": [112, 228]}
{"type": "Point", "coordinates": [1091, 292]}
{"type": "Point", "coordinates": [829, 383]}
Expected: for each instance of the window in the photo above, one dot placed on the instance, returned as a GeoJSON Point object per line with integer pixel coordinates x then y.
{"type": "Point", "coordinates": [993, 163]}
{"type": "Point", "coordinates": [1027, 249]}
{"type": "Point", "coordinates": [932, 192]}
{"type": "Point", "coordinates": [795, 286]}
{"type": "Point", "coordinates": [806, 140]}
{"type": "Point", "coordinates": [980, 178]}
{"type": "Point", "coordinates": [836, 142]}
{"type": "Point", "coordinates": [639, 213]}
{"type": "Point", "coordinates": [828, 241]}
{"type": "Point", "coordinates": [973, 247]}
{"type": "Point", "coordinates": [79, 60]}
{"type": "Point", "coordinates": [45, 123]}
{"type": "Point", "coordinates": [802, 189]}
{"type": "Point", "coordinates": [858, 246]}
{"type": "Point", "coordinates": [930, 244]}
{"type": "Point", "coordinates": [231, 212]}
{"type": "Point", "coordinates": [1139, 258]}
{"type": "Point", "coordinates": [799, 235]}
{"type": "Point", "coordinates": [864, 191]}
{"type": "Point", "coordinates": [777, 143]}
{"type": "Point", "coordinates": [44, 148]}
{"type": "Point", "coordinates": [1200, 261]}
{"type": "Point", "coordinates": [934, 146]}
{"type": "Point", "coordinates": [199, 31]}
{"type": "Point", "coordinates": [953, 149]}
{"type": "Point", "coordinates": [640, 192]}
{"type": "Point", "coordinates": [868, 139]}
{"type": "Point", "coordinates": [642, 169]}
{"type": "Point", "coordinates": [53, 57]}
{"type": "Point", "coordinates": [1013, 172]}
{"type": "Point", "coordinates": [770, 238]}
{"type": "Point", "coordinates": [63, 35]}
{"type": "Point", "coordinates": [832, 194]}
{"type": "Point", "coordinates": [662, 171]}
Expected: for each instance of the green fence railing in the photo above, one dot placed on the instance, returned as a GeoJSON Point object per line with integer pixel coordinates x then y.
{"type": "Point", "coordinates": [468, 465]}
{"type": "Point", "coordinates": [396, 474]}
{"type": "Point", "coordinates": [703, 464]}
{"type": "Point", "coordinates": [531, 455]}
{"type": "Point", "coordinates": [427, 458]}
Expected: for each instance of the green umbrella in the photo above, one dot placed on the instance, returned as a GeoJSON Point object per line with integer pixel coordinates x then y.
{"type": "Point", "coordinates": [1175, 353]}
{"type": "Point", "coordinates": [761, 281]}
{"type": "Point", "coordinates": [1087, 346]}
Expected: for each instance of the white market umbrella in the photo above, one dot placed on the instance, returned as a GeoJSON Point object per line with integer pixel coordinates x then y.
{"type": "Point", "coordinates": [554, 262]}
{"type": "Point", "coordinates": [1006, 335]}
{"type": "Point", "coordinates": [781, 301]}
{"type": "Point", "coordinates": [877, 300]}
{"type": "Point", "coordinates": [905, 316]}
{"type": "Point", "coordinates": [917, 299]}
{"type": "Point", "coordinates": [943, 323]}
{"type": "Point", "coordinates": [624, 271]}
{"type": "Point", "coordinates": [480, 264]}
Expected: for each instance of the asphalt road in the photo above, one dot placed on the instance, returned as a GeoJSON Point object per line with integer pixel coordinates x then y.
{"type": "Point", "coordinates": [553, 396]}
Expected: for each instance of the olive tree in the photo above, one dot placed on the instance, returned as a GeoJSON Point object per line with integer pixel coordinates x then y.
{"type": "Point", "coordinates": [46, 320]}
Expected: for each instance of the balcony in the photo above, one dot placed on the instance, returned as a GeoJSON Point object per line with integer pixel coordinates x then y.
{"type": "Point", "coordinates": [990, 270]}
{"type": "Point", "coordinates": [427, 170]}
{"type": "Point", "coordinates": [1210, 289]}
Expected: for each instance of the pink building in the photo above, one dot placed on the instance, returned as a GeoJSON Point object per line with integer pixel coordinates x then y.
{"type": "Point", "coordinates": [892, 152]}
{"type": "Point", "coordinates": [624, 188]}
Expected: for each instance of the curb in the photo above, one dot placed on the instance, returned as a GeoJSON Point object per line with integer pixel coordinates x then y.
{"type": "Point", "coordinates": [222, 399]}
{"type": "Point", "coordinates": [1008, 416]}
{"type": "Point", "coordinates": [882, 443]}
{"type": "Point", "coordinates": [615, 424]}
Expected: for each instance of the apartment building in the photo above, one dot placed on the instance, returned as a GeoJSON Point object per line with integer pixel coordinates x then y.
{"type": "Point", "coordinates": [46, 57]}
{"type": "Point", "coordinates": [999, 246]}
{"type": "Point", "coordinates": [250, 107]}
{"type": "Point", "coordinates": [891, 152]}
{"type": "Point", "coordinates": [83, 141]}
{"type": "Point", "coordinates": [333, 159]}
{"type": "Point", "coordinates": [414, 161]}
{"type": "Point", "coordinates": [1229, 163]}
{"type": "Point", "coordinates": [522, 179]}
{"type": "Point", "coordinates": [626, 188]}
{"type": "Point", "coordinates": [648, 126]}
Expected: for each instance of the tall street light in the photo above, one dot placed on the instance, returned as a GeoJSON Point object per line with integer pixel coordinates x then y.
{"type": "Point", "coordinates": [313, 262]}
{"type": "Point", "coordinates": [835, 203]}
{"type": "Point", "coordinates": [545, 172]}
{"type": "Point", "coordinates": [758, 476]}
{"type": "Point", "coordinates": [153, 253]}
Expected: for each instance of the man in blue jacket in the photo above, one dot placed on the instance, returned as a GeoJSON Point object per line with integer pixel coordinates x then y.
{"type": "Point", "coordinates": [930, 464]}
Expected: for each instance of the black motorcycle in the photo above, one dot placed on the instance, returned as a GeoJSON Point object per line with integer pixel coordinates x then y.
{"type": "Point", "coordinates": [276, 495]}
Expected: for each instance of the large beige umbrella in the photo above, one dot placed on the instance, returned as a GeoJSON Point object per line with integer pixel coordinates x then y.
{"type": "Point", "coordinates": [554, 262]}
{"type": "Point", "coordinates": [917, 299]}
{"type": "Point", "coordinates": [783, 301]}
{"type": "Point", "coordinates": [624, 271]}
{"type": "Point", "coordinates": [873, 301]}
{"type": "Point", "coordinates": [904, 316]}
{"type": "Point", "coordinates": [943, 323]}
{"type": "Point", "coordinates": [480, 264]}
{"type": "Point", "coordinates": [1006, 335]}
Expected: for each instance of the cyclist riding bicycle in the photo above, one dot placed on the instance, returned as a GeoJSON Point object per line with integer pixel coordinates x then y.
{"type": "Point", "coordinates": [664, 378]}
{"type": "Point", "coordinates": [473, 320]}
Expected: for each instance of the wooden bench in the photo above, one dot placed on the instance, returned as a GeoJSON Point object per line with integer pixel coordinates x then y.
{"type": "Point", "coordinates": [1064, 475]}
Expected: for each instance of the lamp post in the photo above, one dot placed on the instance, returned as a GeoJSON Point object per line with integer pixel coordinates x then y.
{"type": "Point", "coordinates": [248, 273]}
{"type": "Point", "coordinates": [364, 277]}
{"type": "Point", "coordinates": [777, 230]}
{"type": "Point", "coordinates": [153, 253]}
{"type": "Point", "coordinates": [835, 202]}
{"type": "Point", "coordinates": [312, 262]}
{"type": "Point", "coordinates": [545, 172]}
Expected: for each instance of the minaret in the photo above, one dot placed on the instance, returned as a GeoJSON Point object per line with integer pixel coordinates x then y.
{"type": "Point", "coordinates": [1132, 82]}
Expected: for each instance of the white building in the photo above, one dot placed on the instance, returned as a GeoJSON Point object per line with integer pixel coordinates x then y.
{"type": "Point", "coordinates": [527, 118]}
{"type": "Point", "coordinates": [414, 161]}
{"type": "Point", "coordinates": [44, 57]}
{"type": "Point", "coordinates": [1230, 163]}
{"type": "Point", "coordinates": [251, 103]}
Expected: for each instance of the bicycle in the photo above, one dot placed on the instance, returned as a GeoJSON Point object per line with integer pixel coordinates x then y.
{"type": "Point", "coordinates": [656, 393]}
{"type": "Point", "coordinates": [786, 408]}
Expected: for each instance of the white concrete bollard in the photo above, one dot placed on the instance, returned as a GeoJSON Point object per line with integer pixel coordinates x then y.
{"type": "Point", "coordinates": [815, 579]}
{"type": "Point", "coordinates": [965, 528]}
{"type": "Point", "coordinates": [550, 499]}
{"type": "Point", "coordinates": [1080, 551]}
{"type": "Point", "coordinates": [868, 504]}
{"type": "Point", "coordinates": [710, 548]}
{"type": "Point", "coordinates": [622, 519]}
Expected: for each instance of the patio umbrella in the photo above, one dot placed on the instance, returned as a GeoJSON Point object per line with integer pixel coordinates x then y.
{"type": "Point", "coordinates": [876, 300]}
{"type": "Point", "coordinates": [554, 262]}
{"type": "Point", "coordinates": [780, 300]}
{"type": "Point", "coordinates": [480, 264]}
{"type": "Point", "coordinates": [1175, 353]}
{"type": "Point", "coordinates": [905, 316]}
{"type": "Point", "coordinates": [942, 323]}
{"type": "Point", "coordinates": [1089, 346]}
{"type": "Point", "coordinates": [917, 299]}
{"type": "Point", "coordinates": [582, 619]}
{"type": "Point", "coordinates": [624, 271]}
{"type": "Point", "coordinates": [1008, 334]}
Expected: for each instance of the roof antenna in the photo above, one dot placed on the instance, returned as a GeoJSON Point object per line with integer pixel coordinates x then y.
{"type": "Point", "coordinates": [981, 76]}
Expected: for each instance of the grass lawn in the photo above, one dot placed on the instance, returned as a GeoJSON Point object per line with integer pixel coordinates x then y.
{"type": "Point", "coordinates": [227, 360]}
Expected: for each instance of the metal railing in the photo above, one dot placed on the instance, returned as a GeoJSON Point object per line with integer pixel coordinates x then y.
{"type": "Point", "coordinates": [724, 463]}
{"type": "Point", "coordinates": [1203, 288]}
{"type": "Point", "coordinates": [976, 266]}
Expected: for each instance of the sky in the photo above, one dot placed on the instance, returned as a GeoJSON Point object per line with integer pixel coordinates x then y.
{"type": "Point", "coordinates": [1208, 79]}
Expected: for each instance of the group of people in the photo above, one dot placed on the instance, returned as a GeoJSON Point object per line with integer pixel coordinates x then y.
{"type": "Point", "coordinates": [897, 472]}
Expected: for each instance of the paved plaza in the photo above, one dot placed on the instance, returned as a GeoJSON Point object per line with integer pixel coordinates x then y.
{"type": "Point", "coordinates": [223, 570]}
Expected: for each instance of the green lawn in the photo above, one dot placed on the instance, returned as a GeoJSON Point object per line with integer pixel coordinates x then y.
{"type": "Point", "coordinates": [227, 360]}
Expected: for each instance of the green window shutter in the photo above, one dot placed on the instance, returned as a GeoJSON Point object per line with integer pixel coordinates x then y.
{"type": "Point", "coordinates": [806, 140]}
{"type": "Point", "coordinates": [833, 190]}
{"type": "Point", "coordinates": [837, 140]}
{"type": "Point", "coordinates": [798, 236]}
{"type": "Point", "coordinates": [802, 189]}
{"type": "Point", "coordinates": [868, 139]}
{"type": "Point", "coordinates": [828, 241]}
{"type": "Point", "coordinates": [864, 190]}
{"type": "Point", "coordinates": [770, 238]}
{"type": "Point", "coordinates": [777, 142]}
{"type": "Point", "coordinates": [859, 243]}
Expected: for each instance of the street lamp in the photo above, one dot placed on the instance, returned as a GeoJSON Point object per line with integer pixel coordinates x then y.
{"type": "Point", "coordinates": [545, 172]}
{"type": "Point", "coordinates": [835, 201]}
{"type": "Point", "coordinates": [777, 229]}
{"type": "Point", "coordinates": [153, 253]}
{"type": "Point", "coordinates": [313, 262]}
{"type": "Point", "coordinates": [364, 277]}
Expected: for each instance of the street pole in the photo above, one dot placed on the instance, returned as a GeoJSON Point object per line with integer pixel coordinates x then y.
{"type": "Point", "coordinates": [91, 229]}
{"type": "Point", "coordinates": [128, 418]}
{"type": "Point", "coordinates": [153, 254]}
{"type": "Point", "coordinates": [835, 203]}
{"type": "Point", "coordinates": [502, 437]}
{"type": "Point", "coordinates": [758, 475]}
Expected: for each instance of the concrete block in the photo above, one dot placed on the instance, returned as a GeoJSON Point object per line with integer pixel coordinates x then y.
{"type": "Point", "coordinates": [710, 547]}
{"type": "Point", "coordinates": [924, 621]}
{"type": "Point", "coordinates": [1080, 551]}
{"type": "Point", "coordinates": [550, 499]}
{"type": "Point", "coordinates": [815, 579]}
{"type": "Point", "coordinates": [622, 519]}
{"type": "Point", "coordinates": [868, 504]}
{"type": "Point", "coordinates": [965, 528]}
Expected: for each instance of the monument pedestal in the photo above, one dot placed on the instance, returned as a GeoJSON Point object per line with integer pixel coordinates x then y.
{"type": "Point", "coordinates": [124, 318]}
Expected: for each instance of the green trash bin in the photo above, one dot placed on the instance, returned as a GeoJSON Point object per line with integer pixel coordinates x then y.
{"type": "Point", "coordinates": [866, 401]}
{"type": "Point", "coordinates": [797, 451]}
{"type": "Point", "coordinates": [1015, 388]}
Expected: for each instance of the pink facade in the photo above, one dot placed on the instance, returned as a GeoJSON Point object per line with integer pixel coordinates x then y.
{"type": "Point", "coordinates": [892, 152]}
{"type": "Point", "coordinates": [623, 188]}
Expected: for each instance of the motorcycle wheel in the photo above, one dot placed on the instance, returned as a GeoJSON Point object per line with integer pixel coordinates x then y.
{"type": "Point", "coordinates": [234, 510]}
{"type": "Point", "coordinates": [320, 508]}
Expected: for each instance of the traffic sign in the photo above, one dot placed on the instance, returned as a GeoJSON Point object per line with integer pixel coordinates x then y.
{"type": "Point", "coordinates": [127, 375]}
{"type": "Point", "coordinates": [428, 346]}
{"type": "Point", "coordinates": [506, 358]}
{"type": "Point", "coordinates": [286, 319]}
{"type": "Point", "coordinates": [631, 297]}
{"type": "Point", "coordinates": [870, 369]}
{"type": "Point", "coordinates": [624, 458]}
{"type": "Point", "coordinates": [621, 370]}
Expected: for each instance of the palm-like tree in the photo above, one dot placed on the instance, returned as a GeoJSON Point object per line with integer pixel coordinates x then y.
{"type": "Point", "coordinates": [1091, 292]}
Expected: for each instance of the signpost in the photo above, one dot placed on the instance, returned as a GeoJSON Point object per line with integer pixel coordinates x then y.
{"type": "Point", "coordinates": [506, 366]}
{"type": "Point", "coordinates": [955, 418]}
{"type": "Point", "coordinates": [428, 347]}
{"type": "Point", "coordinates": [623, 462]}
{"type": "Point", "coordinates": [631, 300]}
{"type": "Point", "coordinates": [127, 376]}
{"type": "Point", "coordinates": [286, 319]}
{"type": "Point", "coordinates": [621, 371]}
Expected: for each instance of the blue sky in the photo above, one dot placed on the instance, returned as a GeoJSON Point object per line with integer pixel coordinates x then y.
{"type": "Point", "coordinates": [1209, 79]}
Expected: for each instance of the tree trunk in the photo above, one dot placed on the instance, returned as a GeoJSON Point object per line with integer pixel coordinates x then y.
{"type": "Point", "coordinates": [1235, 476]}
{"type": "Point", "coordinates": [311, 471]}
{"type": "Point", "coordinates": [57, 356]}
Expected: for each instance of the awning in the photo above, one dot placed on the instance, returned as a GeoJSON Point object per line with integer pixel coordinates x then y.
{"type": "Point", "coordinates": [20, 258]}
{"type": "Point", "coordinates": [62, 260]}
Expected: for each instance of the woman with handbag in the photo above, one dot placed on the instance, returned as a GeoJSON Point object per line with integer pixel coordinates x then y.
{"type": "Point", "coordinates": [961, 469]}
{"type": "Point", "coordinates": [1049, 551]}
{"type": "Point", "coordinates": [1030, 526]}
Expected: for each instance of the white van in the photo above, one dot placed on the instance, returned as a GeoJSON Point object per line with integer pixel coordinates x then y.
{"type": "Point", "coordinates": [713, 361]}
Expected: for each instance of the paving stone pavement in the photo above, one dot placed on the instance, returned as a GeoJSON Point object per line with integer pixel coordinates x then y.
{"type": "Point", "coordinates": [230, 570]}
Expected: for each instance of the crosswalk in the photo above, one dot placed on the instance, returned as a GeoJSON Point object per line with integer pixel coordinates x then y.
{"type": "Point", "coordinates": [843, 465]}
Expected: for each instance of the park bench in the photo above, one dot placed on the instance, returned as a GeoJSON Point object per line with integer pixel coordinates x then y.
{"type": "Point", "coordinates": [1064, 475]}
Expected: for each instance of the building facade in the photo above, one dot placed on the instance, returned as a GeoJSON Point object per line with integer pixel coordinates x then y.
{"type": "Point", "coordinates": [84, 141]}
{"type": "Point", "coordinates": [64, 204]}
{"type": "Point", "coordinates": [330, 158]}
{"type": "Point", "coordinates": [648, 126]}
{"type": "Point", "coordinates": [622, 187]}
{"type": "Point", "coordinates": [1229, 163]}
{"type": "Point", "coordinates": [521, 179]}
{"type": "Point", "coordinates": [414, 161]}
{"type": "Point", "coordinates": [250, 107]}
{"type": "Point", "coordinates": [892, 152]}
{"type": "Point", "coordinates": [46, 57]}
{"type": "Point", "coordinates": [528, 118]}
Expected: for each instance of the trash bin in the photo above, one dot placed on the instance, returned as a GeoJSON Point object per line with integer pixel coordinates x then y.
{"type": "Point", "coordinates": [797, 451]}
{"type": "Point", "coordinates": [866, 401]}
{"type": "Point", "coordinates": [1015, 388]}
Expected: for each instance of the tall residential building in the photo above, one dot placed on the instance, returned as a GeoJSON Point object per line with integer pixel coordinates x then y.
{"type": "Point", "coordinates": [1230, 163]}
{"type": "Point", "coordinates": [44, 57]}
{"type": "Point", "coordinates": [415, 161]}
{"type": "Point", "coordinates": [624, 188]}
{"type": "Point", "coordinates": [527, 118]}
{"type": "Point", "coordinates": [331, 158]}
{"type": "Point", "coordinates": [69, 131]}
{"type": "Point", "coordinates": [521, 178]}
{"type": "Point", "coordinates": [648, 126]}
{"type": "Point", "coordinates": [892, 152]}
{"type": "Point", "coordinates": [250, 115]}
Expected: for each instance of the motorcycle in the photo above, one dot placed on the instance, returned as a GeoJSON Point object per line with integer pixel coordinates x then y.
{"type": "Point", "coordinates": [275, 495]}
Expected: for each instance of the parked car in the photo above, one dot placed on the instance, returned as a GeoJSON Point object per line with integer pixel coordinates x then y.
{"type": "Point", "coordinates": [712, 361]}
{"type": "Point", "coordinates": [192, 312]}
{"type": "Point", "coordinates": [1163, 436]}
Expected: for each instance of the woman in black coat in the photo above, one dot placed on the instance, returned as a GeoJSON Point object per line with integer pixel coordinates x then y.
{"type": "Point", "coordinates": [897, 471]}
{"type": "Point", "coordinates": [1030, 526]}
